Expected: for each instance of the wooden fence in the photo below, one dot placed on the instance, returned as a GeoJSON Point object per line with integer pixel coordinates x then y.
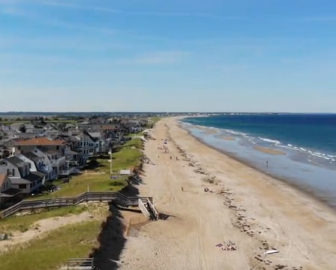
{"type": "Point", "coordinates": [115, 197]}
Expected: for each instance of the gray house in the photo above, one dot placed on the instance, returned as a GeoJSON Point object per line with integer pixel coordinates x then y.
{"type": "Point", "coordinates": [20, 176]}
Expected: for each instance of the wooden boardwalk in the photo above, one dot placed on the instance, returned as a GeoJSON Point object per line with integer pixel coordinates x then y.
{"type": "Point", "coordinates": [115, 197]}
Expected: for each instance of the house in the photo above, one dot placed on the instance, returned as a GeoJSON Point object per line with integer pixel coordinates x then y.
{"type": "Point", "coordinates": [23, 146]}
{"type": "Point", "coordinates": [84, 145]}
{"type": "Point", "coordinates": [73, 160]}
{"type": "Point", "coordinates": [57, 159]}
{"type": "Point", "coordinates": [20, 175]}
{"type": "Point", "coordinates": [101, 146]}
{"type": "Point", "coordinates": [54, 150]}
{"type": "Point", "coordinates": [4, 152]}
{"type": "Point", "coordinates": [31, 163]}
{"type": "Point", "coordinates": [42, 163]}
{"type": "Point", "coordinates": [6, 193]}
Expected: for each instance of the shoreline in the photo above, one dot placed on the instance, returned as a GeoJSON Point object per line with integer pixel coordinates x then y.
{"type": "Point", "coordinates": [210, 200]}
{"type": "Point", "coordinates": [308, 192]}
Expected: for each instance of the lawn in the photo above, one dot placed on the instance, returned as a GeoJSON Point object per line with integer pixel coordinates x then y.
{"type": "Point", "coordinates": [72, 241]}
{"type": "Point", "coordinates": [22, 223]}
{"type": "Point", "coordinates": [98, 177]}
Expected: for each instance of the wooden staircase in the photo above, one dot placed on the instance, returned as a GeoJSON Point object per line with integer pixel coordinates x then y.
{"type": "Point", "coordinates": [148, 209]}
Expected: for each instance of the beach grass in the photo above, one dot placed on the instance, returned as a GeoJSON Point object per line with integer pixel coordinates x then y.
{"type": "Point", "coordinates": [23, 223]}
{"type": "Point", "coordinates": [50, 252]}
{"type": "Point", "coordinates": [155, 119]}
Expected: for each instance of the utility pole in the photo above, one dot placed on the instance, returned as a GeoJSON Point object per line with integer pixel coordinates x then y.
{"type": "Point", "coordinates": [110, 152]}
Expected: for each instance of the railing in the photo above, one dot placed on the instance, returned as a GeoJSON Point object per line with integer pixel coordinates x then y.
{"type": "Point", "coordinates": [82, 264]}
{"type": "Point", "coordinates": [116, 197]}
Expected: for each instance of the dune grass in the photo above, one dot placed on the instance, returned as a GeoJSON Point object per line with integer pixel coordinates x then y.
{"type": "Point", "coordinates": [129, 156]}
{"type": "Point", "coordinates": [49, 253]}
{"type": "Point", "coordinates": [22, 223]}
{"type": "Point", "coordinates": [155, 119]}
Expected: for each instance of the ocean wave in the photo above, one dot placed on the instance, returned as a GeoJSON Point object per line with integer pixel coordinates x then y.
{"type": "Point", "coordinates": [253, 140]}
{"type": "Point", "coordinates": [269, 140]}
{"type": "Point", "coordinates": [230, 131]}
{"type": "Point", "coordinates": [294, 148]}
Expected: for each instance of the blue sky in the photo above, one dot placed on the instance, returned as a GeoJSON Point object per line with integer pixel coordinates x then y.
{"type": "Point", "coordinates": [177, 55]}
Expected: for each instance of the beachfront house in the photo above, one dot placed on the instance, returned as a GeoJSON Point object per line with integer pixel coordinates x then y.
{"type": "Point", "coordinates": [20, 176]}
{"type": "Point", "coordinates": [85, 145]}
{"type": "Point", "coordinates": [53, 150]}
{"type": "Point", "coordinates": [42, 163]}
{"type": "Point", "coordinates": [44, 143]}
{"type": "Point", "coordinates": [4, 186]}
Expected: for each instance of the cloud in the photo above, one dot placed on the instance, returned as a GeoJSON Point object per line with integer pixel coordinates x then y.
{"type": "Point", "coordinates": [82, 6]}
{"type": "Point", "coordinates": [17, 12]}
{"type": "Point", "coordinates": [156, 58]}
{"type": "Point", "coordinates": [75, 5]}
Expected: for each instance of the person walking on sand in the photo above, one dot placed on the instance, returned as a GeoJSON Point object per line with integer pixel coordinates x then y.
{"type": "Point", "coordinates": [267, 164]}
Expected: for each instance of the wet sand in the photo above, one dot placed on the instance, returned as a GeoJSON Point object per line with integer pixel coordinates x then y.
{"type": "Point", "coordinates": [268, 150]}
{"type": "Point", "coordinates": [217, 204]}
{"type": "Point", "coordinates": [227, 138]}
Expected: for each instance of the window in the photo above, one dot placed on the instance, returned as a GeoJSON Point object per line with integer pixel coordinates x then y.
{"type": "Point", "coordinates": [13, 172]}
{"type": "Point", "coordinates": [8, 172]}
{"type": "Point", "coordinates": [22, 186]}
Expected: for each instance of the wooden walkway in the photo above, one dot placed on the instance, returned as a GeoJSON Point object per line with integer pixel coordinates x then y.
{"type": "Point", "coordinates": [115, 197]}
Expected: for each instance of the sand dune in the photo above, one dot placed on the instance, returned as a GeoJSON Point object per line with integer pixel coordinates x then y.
{"type": "Point", "coordinates": [216, 203]}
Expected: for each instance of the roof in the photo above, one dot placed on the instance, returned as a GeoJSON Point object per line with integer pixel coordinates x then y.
{"type": "Point", "coordinates": [3, 178]}
{"type": "Point", "coordinates": [10, 193]}
{"type": "Point", "coordinates": [33, 176]}
{"type": "Point", "coordinates": [43, 141]}
{"type": "Point", "coordinates": [71, 152]}
{"type": "Point", "coordinates": [95, 134]}
{"type": "Point", "coordinates": [31, 155]}
{"type": "Point", "coordinates": [88, 134]}
{"type": "Point", "coordinates": [17, 181]}
{"type": "Point", "coordinates": [16, 161]}
{"type": "Point", "coordinates": [106, 127]}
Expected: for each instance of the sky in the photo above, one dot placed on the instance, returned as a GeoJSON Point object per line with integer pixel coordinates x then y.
{"type": "Point", "coordinates": [176, 55]}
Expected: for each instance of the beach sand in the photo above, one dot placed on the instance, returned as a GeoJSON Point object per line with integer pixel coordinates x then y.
{"type": "Point", "coordinates": [211, 199]}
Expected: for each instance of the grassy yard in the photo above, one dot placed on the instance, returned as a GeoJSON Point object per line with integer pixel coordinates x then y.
{"type": "Point", "coordinates": [22, 223]}
{"type": "Point", "coordinates": [49, 253]}
{"type": "Point", "coordinates": [98, 177]}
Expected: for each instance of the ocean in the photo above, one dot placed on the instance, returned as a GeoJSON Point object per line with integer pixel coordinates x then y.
{"type": "Point", "coordinates": [297, 148]}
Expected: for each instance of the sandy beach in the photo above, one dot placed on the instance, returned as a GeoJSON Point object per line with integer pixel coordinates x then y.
{"type": "Point", "coordinates": [223, 214]}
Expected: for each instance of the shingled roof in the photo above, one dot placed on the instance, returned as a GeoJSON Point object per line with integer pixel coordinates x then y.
{"type": "Point", "coordinates": [43, 141]}
{"type": "Point", "coordinates": [16, 161]}
{"type": "Point", "coordinates": [33, 176]}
